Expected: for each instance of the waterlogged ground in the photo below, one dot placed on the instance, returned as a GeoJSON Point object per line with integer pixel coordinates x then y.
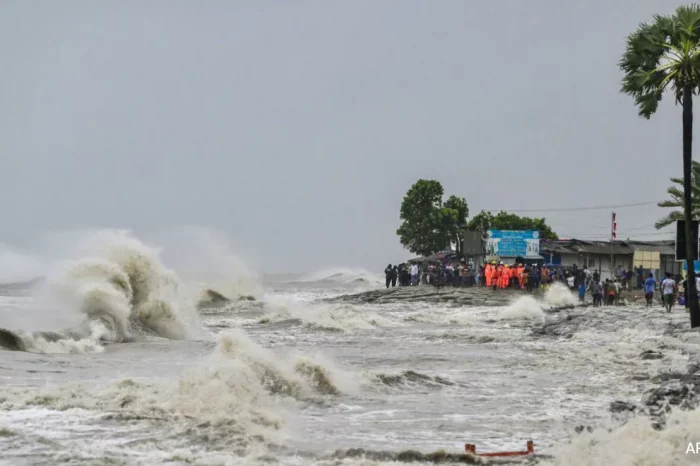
{"type": "Point", "coordinates": [292, 379]}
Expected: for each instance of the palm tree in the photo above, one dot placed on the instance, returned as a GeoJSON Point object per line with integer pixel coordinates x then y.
{"type": "Point", "coordinates": [676, 200]}
{"type": "Point", "coordinates": [660, 55]}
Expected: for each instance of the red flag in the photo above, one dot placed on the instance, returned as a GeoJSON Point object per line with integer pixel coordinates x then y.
{"type": "Point", "coordinates": [614, 226]}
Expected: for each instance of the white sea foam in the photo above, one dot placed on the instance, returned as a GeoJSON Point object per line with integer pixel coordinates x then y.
{"type": "Point", "coordinates": [635, 443]}
{"type": "Point", "coordinates": [116, 280]}
{"type": "Point", "coordinates": [232, 398]}
{"type": "Point", "coordinates": [524, 307]}
{"type": "Point", "coordinates": [326, 315]}
{"type": "Point", "coordinates": [559, 294]}
{"type": "Point", "coordinates": [204, 259]}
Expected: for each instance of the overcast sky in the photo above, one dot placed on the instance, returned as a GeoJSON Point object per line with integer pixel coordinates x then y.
{"type": "Point", "coordinates": [296, 127]}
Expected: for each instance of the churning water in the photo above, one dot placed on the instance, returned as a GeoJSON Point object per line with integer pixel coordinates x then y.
{"type": "Point", "coordinates": [121, 366]}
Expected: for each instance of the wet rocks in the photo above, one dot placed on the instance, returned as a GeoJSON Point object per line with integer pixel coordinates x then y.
{"type": "Point", "coordinates": [622, 406]}
{"type": "Point", "coordinates": [472, 296]}
{"type": "Point", "coordinates": [665, 376]}
{"type": "Point", "coordinates": [613, 319]}
{"type": "Point", "coordinates": [412, 456]}
{"type": "Point", "coordinates": [412, 377]}
{"type": "Point", "coordinates": [675, 390]}
{"type": "Point", "coordinates": [650, 355]}
{"type": "Point", "coordinates": [214, 297]}
{"type": "Point", "coordinates": [561, 325]}
{"type": "Point", "coordinates": [581, 428]}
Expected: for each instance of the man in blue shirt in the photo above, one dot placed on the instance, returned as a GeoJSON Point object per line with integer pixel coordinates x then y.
{"type": "Point", "coordinates": [582, 292]}
{"type": "Point", "coordinates": [649, 288]}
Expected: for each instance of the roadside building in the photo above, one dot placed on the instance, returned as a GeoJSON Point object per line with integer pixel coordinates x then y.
{"type": "Point", "coordinates": [606, 256]}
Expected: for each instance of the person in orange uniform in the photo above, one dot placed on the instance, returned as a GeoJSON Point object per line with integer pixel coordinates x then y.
{"type": "Point", "coordinates": [519, 274]}
{"type": "Point", "coordinates": [488, 273]}
{"type": "Point", "coordinates": [505, 277]}
{"type": "Point", "coordinates": [498, 275]}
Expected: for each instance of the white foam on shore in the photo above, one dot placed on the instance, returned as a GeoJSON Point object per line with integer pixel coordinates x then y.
{"type": "Point", "coordinates": [559, 295]}
{"type": "Point", "coordinates": [325, 315]}
{"type": "Point", "coordinates": [525, 307]}
{"type": "Point", "coordinates": [635, 443]}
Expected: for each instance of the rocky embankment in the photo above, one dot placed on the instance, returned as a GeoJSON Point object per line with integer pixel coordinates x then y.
{"type": "Point", "coordinates": [472, 296]}
{"type": "Point", "coordinates": [672, 389]}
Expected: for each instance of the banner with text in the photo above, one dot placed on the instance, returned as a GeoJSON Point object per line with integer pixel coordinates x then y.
{"type": "Point", "coordinates": [513, 243]}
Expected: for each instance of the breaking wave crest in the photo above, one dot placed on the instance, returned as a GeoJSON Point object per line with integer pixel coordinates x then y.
{"type": "Point", "coordinates": [528, 307]}
{"type": "Point", "coordinates": [117, 289]}
{"type": "Point", "coordinates": [559, 295]}
{"type": "Point", "coordinates": [525, 307]}
{"type": "Point", "coordinates": [234, 398]}
{"type": "Point", "coordinates": [299, 377]}
{"type": "Point", "coordinates": [325, 316]}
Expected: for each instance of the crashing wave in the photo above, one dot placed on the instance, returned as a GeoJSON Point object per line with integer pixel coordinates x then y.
{"type": "Point", "coordinates": [325, 317]}
{"type": "Point", "coordinates": [557, 296]}
{"type": "Point", "coordinates": [298, 379]}
{"type": "Point", "coordinates": [120, 289]}
{"type": "Point", "coordinates": [233, 399]}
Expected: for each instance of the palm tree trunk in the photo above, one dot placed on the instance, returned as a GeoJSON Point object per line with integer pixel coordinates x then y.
{"type": "Point", "coordinates": [687, 200]}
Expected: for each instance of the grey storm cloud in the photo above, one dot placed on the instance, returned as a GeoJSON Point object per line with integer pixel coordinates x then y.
{"type": "Point", "coordinates": [296, 127]}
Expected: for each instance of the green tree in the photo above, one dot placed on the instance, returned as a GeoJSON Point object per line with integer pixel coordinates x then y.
{"type": "Point", "coordinates": [508, 221]}
{"type": "Point", "coordinates": [428, 225]}
{"type": "Point", "coordinates": [661, 55]}
{"type": "Point", "coordinates": [675, 193]}
{"type": "Point", "coordinates": [457, 224]}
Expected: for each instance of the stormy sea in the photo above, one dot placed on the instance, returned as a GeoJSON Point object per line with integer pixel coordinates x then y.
{"type": "Point", "coordinates": [118, 355]}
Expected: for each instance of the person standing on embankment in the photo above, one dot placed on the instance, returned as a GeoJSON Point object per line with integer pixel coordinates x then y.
{"type": "Point", "coordinates": [387, 275]}
{"type": "Point", "coordinates": [649, 289]}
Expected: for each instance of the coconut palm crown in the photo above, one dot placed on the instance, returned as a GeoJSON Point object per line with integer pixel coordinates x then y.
{"type": "Point", "coordinates": [665, 55]}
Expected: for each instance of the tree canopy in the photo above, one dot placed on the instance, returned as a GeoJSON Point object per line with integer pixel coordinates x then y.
{"type": "Point", "coordinates": [665, 55]}
{"type": "Point", "coordinates": [675, 193]}
{"type": "Point", "coordinates": [661, 54]}
{"type": "Point", "coordinates": [430, 225]}
{"type": "Point", "coordinates": [485, 220]}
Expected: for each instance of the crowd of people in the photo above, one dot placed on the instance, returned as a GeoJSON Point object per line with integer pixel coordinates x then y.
{"type": "Point", "coordinates": [494, 275]}
{"type": "Point", "coordinates": [672, 290]}
{"type": "Point", "coordinates": [497, 275]}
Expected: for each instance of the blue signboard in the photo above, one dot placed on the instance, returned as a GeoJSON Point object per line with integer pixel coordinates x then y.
{"type": "Point", "coordinates": [513, 243]}
{"type": "Point", "coordinates": [697, 266]}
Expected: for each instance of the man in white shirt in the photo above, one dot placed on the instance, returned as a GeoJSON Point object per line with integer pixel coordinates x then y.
{"type": "Point", "coordinates": [668, 288]}
{"type": "Point", "coordinates": [414, 275]}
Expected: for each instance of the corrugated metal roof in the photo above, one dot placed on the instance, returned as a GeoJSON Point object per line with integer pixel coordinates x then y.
{"type": "Point", "coordinates": [662, 247]}
{"type": "Point", "coordinates": [575, 246]}
{"type": "Point", "coordinates": [617, 249]}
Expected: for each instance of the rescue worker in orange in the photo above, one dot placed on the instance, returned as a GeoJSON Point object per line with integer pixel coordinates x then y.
{"type": "Point", "coordinates": [519, 274]}
{"type": "Point", "coordinates": [488, 273]}
{"type": "Point", "coordinates": [505, 276]}
{"type": "Point", "coordinates": [498, 275]}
